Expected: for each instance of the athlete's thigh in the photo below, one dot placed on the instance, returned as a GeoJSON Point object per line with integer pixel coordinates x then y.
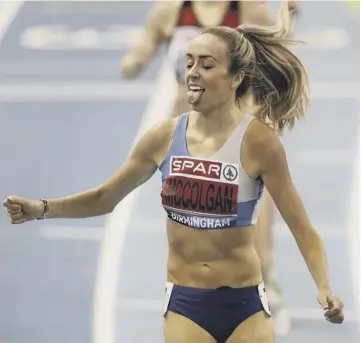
{"type": "Point", "coordinates": [179, 329]}
{"type": "Point", "coordinates": [256, 329]}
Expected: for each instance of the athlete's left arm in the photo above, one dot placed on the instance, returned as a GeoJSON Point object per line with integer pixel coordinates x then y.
{"type": "Point", "coordinates": [269, 162]}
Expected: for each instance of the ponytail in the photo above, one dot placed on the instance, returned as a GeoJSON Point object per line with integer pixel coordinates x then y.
{"type": "Point", "coordinates": [272, 73]}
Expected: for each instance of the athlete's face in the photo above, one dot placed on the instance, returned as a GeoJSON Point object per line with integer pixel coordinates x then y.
{"type": "Point", "coordinates": [210, 86]}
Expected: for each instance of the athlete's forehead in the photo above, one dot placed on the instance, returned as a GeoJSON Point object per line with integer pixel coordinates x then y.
{"type": "Point", "coordinates": [207, 46]}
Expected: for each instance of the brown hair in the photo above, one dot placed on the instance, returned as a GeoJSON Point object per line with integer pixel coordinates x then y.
{"type": "Point", "coordinates": [272, 73]}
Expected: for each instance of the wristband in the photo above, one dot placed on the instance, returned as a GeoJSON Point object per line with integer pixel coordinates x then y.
{"type": "Point", "coordinates": [46, 209]}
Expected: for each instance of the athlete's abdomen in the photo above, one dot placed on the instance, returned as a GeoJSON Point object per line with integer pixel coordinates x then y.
{"type": "Point", "coordinates": [212, 258]}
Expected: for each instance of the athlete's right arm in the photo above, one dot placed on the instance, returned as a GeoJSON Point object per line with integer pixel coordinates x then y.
{"type": "Point", "coordinates": [143, 162]}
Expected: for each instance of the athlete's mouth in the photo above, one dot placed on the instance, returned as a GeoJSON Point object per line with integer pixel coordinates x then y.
{"type": "Point", "coordinates": [194, 93]}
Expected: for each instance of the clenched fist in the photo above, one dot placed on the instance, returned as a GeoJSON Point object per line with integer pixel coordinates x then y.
{"type": "Point", "coordinates": [332, 306]}
{"type": "Point", "coordinates": [21, 210]}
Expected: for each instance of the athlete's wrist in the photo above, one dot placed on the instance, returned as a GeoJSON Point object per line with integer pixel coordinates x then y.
{"type": "Point", "coordinates": [326, 289]}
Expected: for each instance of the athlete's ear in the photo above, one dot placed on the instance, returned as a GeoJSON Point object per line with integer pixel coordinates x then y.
{"type": "Point", "coordinates": [237, 80]}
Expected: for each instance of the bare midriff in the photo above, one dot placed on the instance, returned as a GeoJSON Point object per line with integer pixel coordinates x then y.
{"type": "Point", "coordinates": [212, 258]}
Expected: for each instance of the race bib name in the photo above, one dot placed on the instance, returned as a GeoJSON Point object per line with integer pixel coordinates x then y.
{"type": "Point", "coordinates": [200, 196]}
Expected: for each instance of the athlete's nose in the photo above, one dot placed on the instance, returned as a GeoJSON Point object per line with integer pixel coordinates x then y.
{"type": "Point", "coordinates": [192, 74]}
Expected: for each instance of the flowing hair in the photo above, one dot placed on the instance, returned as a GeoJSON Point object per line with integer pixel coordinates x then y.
{"type": "Point", "coordinates": [273, 74]}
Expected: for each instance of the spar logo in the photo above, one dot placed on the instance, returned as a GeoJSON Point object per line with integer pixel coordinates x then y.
{"type": "Point", "coordinates": [196, 167]}
{"type": "Point", "coordinates": [215, 170]}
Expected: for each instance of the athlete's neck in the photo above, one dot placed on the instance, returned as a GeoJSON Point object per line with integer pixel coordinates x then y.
{"type": "Point", "coordinates": [224, 118]}
{"type": "Point", "coordinates": [246, 103]}
{"type": "Point", "coordinates": [218, 120]}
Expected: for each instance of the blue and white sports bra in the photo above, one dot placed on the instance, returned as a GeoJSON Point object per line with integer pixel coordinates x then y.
{"type": "Point", "coordinates": [209, 193]}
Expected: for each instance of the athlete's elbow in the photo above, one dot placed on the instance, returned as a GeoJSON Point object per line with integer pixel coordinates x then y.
{"type": "Point", "coordinates": [105, 201]}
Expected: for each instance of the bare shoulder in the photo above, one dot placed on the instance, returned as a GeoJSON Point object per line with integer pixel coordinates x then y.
{"type": "Point", "coordinates": [262, 148]}
{"type": "Point", "coordinates": [260, 135]}
{"type": "Point", "coordinates": [157, 141]}
{"type": "Point", "coordinates": [164, 130]}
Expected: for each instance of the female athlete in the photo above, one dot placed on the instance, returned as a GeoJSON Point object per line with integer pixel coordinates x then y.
{"type": "Point", "coordinates": [215, 162]}
{"type": "Point", "coordinates": [176, 23]}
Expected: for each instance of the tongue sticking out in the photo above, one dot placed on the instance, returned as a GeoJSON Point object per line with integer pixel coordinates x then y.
{"type": "Point", "coordinates": [194, 95]}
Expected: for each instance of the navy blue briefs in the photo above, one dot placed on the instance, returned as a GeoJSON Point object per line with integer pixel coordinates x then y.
{"type": "Point", "coordinates": [218, 311]}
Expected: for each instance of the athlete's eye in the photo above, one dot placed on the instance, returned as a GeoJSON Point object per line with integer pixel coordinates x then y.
{"type": "Point", "coordinates": [189, 66]}
{"type": "Point", "coordinates": [207, 67]}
